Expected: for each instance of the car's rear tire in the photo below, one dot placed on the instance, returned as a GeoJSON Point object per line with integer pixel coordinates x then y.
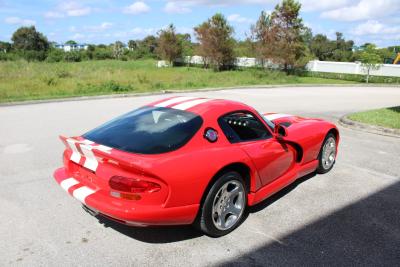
{"type": "Point", "coordinates": [224, 205]}
{"type": "Point", "coordinates": [327, 154]}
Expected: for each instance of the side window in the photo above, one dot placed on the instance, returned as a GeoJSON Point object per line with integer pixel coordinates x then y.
{"type": "Point", "coordinates": [243, 126]}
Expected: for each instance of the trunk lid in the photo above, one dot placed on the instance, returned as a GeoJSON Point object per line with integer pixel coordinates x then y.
{"type": "Point", "coordinates": [98, 163]}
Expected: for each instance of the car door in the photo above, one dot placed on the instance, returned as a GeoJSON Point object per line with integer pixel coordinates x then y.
{"type": "Point", "coordinates": [271, 157]}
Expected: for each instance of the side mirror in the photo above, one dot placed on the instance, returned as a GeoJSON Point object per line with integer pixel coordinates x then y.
{"type": "Point", "coordinates": [280, 131]}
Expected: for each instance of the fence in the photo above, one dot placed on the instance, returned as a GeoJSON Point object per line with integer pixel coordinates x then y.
{"type": "Point", "coordinates": [314, 66]}
{"type": "Point", "coordinates": [245, 62]}
{"type": "Point", "coordinates": [352, 68]}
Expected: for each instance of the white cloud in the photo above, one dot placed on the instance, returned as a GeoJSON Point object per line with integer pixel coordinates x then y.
{"type": "Point", "coordinates": [178, 8]}
{"type": "Point", "coordinates": [78, 36]}
{"type": "Point", "coordinates": [331, 8]}
{"type": "Point", "coordinates": [138, 7]}
{"type": "Point", "coordinates": [137, 32]}
{"type": "Point", "coordinates": [222, 2]}
{"type": "Point", "coordinates": [312, 5]}
{"type": "Point", "coordinates": [99, 28]}
{"type": "Point", "coordinates": [79, 12]}
{"type": "Point", "coordinates": [307, 4]}
{"type": "Point", "coordinates": [143, 31]}
{"type": "Point", "coordinates": [184, 30]}
{"type": "Point", "coordinates": [374, 27]}
{"type": "Point", "coordinates": [53, 15]}
{"type": "Point", "coordinates": [74, 9]}
{"type": "Point", "coordinates": [239, 19]}
{"type": "Point", "coordinates": [19, 21]}
{"type": "Point", "coordinates": [363, 10]}
{"type": "Point", "coordinates": [185, 6]}
{"type": "Point", "coordinates": [68, 9]}
{"type": "Point", "coordinates": [122, 35]}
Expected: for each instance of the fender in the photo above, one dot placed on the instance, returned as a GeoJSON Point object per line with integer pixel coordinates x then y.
{"type": "Point", "coordinates": [306, 135]}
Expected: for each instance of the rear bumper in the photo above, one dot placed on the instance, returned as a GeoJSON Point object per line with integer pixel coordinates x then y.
{"type": "Point", "coordinates": [125, 211]}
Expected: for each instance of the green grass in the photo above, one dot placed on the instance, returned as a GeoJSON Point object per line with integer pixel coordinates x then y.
{"type": "Point", "coordinates": [386, 117]}
{"type": "Point", "coordinates": [21, 80]}
{"type": "Point", "coordinates": [353, 77]}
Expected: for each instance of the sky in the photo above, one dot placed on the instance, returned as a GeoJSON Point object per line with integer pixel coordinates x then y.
{"type": "Point", "coordinates": [105, 21]}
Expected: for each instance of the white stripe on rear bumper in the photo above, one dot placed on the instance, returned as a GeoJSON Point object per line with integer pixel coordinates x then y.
{"type": "Point", "coordinates": [82, 193]}
{"type": "Point", "coordinates": [91, 162]}
{"type": "Point", "coordinates": [103, 148]}
{"type": "Point", "coordinates": [276, 116]}
{"type": "Point", "coordinates": [87, 142]}
{"type": "Point", "coordinates": [68, 183]}
{"type": "Point", "coordinates": [75, 156]}
{"type": "Point", "coordinates": [190, 104]}
{"type": "Point", "coordinates": [174, 101]}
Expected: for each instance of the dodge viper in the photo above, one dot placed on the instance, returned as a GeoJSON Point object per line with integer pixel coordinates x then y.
{"type": "Point", "coordinates": [187, 160]}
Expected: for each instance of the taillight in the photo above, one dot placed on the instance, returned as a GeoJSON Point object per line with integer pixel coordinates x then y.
{"type": "Point", "coordinates": [131, 185]}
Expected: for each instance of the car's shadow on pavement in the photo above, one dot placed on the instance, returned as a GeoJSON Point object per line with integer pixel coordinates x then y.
{"type": "Point", "coordinates": [156, 234]}
{"type": "Point", "coordinates": [265, 203]}
{"type": "Point", "coordinates": [363, 233]}
{"type": "Point", "coordinates": [170, 234]}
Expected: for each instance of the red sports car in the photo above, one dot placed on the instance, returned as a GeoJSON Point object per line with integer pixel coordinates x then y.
{"type": "Point", "coordinates": [186, 160]}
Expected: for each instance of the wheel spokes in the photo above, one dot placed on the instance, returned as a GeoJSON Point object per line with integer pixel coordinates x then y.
{"type": "Point", "coordinates": [228, 205]}
{"type": "Point", "coordinates": [329, 153]}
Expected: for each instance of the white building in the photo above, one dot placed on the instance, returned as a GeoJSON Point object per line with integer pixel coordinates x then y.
{"type": "Point", "coordinates": [72, 47]}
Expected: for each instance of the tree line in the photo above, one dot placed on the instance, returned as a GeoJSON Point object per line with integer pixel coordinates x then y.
{"type": "Point", "coordinates": [277, 38]}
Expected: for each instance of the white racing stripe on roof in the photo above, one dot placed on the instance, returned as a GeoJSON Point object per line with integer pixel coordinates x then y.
{"type": "Point", "coordinates": [68, 183]}
{"type": "Point", "coordinates": [190, 104]}
{"type": "Point", "coordinates": [276, 116]}
{"type": "Point", "coordinates": [174, 101]}
{"type": "Point", "coordinates": [82, 193]}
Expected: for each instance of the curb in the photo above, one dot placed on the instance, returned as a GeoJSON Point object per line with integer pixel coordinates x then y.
{"type": "Point", "coordinates": [96, 97]}
{"type": "Point", "coordinates": [355, 125]}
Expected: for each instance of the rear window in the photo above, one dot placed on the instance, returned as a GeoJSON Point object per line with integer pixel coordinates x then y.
{"type": "Point", "coordinates": [148, 130]}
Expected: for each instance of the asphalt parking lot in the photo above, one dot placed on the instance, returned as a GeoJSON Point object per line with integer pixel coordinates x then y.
{"type": "Point", "coordinates": [349, 216]}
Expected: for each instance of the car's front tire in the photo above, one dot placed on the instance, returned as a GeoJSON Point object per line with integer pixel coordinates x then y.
{"type": "Point", "coordinates": [327, 154]}
{"type": "Point", "coordinates": [224, 206]}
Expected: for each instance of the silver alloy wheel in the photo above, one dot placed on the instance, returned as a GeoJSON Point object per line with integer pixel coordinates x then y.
{"type": "Point", "coordinates": [228, 205]}
{"type": "Point", "coordinates": [328, 153]}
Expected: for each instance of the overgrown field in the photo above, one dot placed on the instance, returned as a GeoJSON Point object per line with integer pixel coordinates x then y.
{"type": "Point", "coordinates": [21, 80]}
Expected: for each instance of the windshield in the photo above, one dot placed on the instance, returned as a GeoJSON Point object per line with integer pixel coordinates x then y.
{"type": "Point", "coordinates": [148, 130]}
{"type": "Point", "coordinates": [268, 122]}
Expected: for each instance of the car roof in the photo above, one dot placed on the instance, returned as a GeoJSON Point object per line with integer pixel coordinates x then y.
{"type": "Point", "coordinates": [201, 106]}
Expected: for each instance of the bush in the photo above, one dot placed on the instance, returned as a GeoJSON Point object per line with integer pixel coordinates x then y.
{"type": "Point", "coordinates": [142, 79]}
{"type": "Point", "coordinates": [32, 55]}
{"type": "Point", "coordinates": [139, 53]}
{"type": "Point", "coordinates": [55, 55]}
{"type": "Point", "coordinates": [63, 74]}
{"type": "Point", "coordinates": [8, 56]}
{"type": "Point", "coordinates": [102, 53]}
{"type": "Point", "coordinates": [105, 87]}
{"type": "Point", "coordinates": [349, 77]}
{"type": "Point", "coordinates": [116, 87]}
{"type": "Point", "coordinates": [84, 55]}
{"type": "Point", "coordinates": [73, 56]}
